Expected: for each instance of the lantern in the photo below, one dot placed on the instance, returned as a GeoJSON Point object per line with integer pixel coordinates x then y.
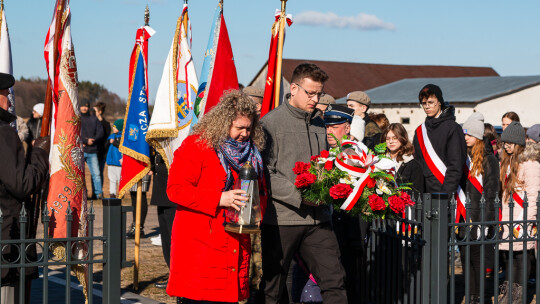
{"type": "Point", "coordinates": [248, 219]}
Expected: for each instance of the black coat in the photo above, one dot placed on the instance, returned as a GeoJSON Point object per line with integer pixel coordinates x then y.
{"type": "Point", "coordinates": [448, 141]}
{"type": "Point", "coordinates": [159, 189]}
{"type": "Point", "coordinates": [410, 171]}
{"type": "Point", "coordinates": [19, 178]}
{"type": "Point", "coordinates": [372, 133]}
{"type": "Point", "coordinates": [91, 128]}
{"type": "Point", "coordinates": [102, 143]}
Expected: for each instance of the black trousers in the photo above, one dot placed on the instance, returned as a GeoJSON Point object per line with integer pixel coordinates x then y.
{"type": "Point", "coordinates": [318, 247]}
{"type": "Point", "coordinates": [517, 264]}
{"type": "Point", "coordinates": [165, 220]}
{"type": "Point", "coordinates": [144, 206]}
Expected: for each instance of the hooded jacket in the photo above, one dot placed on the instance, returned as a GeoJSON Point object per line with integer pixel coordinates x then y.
{"type": "Point", "coordinates": [448, 141]}
{"type": "Point", "coordinates": [292, 135]}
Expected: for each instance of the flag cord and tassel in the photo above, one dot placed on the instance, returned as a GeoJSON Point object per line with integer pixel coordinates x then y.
{"type": "Point", "coordinates": [282, 20]}
{"type": "Point", "coordinates": [47, 111]}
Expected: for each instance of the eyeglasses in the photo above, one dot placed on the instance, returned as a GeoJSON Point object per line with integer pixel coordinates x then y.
{"type": "Point", "coordinates": [429, 104]}
{"type": "Point", "coordinates": [391, 139]}
{"type": "Point", "coordinates": [312, 94]}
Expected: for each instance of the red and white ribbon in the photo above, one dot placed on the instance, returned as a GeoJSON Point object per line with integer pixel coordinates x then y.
{"type": "Point", "coordinates": [438, 168]}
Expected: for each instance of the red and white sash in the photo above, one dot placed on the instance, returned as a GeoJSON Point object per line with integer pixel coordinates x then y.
{"type": "Point", "coordinates": [519, 200]}
{"type": "Point", "coordinates": [438, 168]}
{"type": "Point", "coordinates": [364, 165]}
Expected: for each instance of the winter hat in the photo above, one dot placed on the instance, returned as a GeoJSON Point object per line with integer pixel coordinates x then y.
{"type": "Point", "coordinates": [432, 89]}
{"type": "Point", "coordinates": [514, 134]}
{"type": "Point", "coordinates": [534, 133]}
{"type": "Point", "coordinates": [39, 107]}
{"type": "Point", "coordinates": [6, 81]}
{"type": "Point", "coordinates": [474, 125]}
{"type": "Point", "coordinates": [119, 124]}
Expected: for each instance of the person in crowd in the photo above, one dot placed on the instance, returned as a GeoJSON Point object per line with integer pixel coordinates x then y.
{"type": "Point", "coordinates": [145, 186]}
{"type": "Point", "coordinates": [439, 145]}
{"type": "Point", "coordinates": [209, 264]}
{"type": "Point", "coordinates": [256, 95]}
{"type": "Point", "coordinates": [34, 123]}
{"type": "Point", "coordinates": [360, 102]}
{"type": "Point", "coordinates": [324, 102]}
{"type": "Point", "coordinates": [20, 177]}
{"type": "Point", "coordinates": [99, 109]}
{"type": "Point", "coordinates": [22, 129]}
{"type": "Point", "coordinates": [114, 157]}
{"type": "Point", "coordinates": [165, 209]}
{"type": "Point", "coordinates": [519, 176]}
{"type": "Point", "coordinates": [507, 118]}
{"type": "Point", "coordinates": [91, 133]}
{"type": "Point", "coordinates": [381, 120]}
{"type": "Point", "coordinates": [295, 132]}
{"type": "Point", "coordinates": [482, 181]}
{"type": "Point", "coordinates": [401, 150]}
{"type": "Point", "coordinates": [493, 138]}
{"type": "Point", "coordinates": [533, 134]}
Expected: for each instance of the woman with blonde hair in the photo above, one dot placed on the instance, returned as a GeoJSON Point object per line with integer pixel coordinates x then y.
{"type": "Point", "coordinates": [520, 175]}
{"type": "Point", "coordinates": [209, 264]}
{"type": "Point", "coordinates": [482, 180]}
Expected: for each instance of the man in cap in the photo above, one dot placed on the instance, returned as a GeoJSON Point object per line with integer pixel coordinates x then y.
{"type": "Point", "coordinates": [256, 95]}
{"type": "Point", "coordinates": [20, 177]}
{"type": "Point", "coordinates": [533, 134]}
{"type": "Point", "coordinates": [295, 132]}
{"type": "Point", "coordinates": [360, 102]}
{"type": "Point", "coordinates": [337, 120]}
{"type": "Point", "coordinates": [439, 145]}
{"type": "Point", "coordinates": [91, 133]}
{"type": "Point", "coordinates": [324, 102]}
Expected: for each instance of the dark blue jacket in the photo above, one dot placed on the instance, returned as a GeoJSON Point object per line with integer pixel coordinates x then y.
{"type": "Point", "coordinates": [91, 128]}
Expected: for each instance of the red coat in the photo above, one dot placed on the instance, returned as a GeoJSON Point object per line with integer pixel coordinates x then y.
{"type": "Point", "coordinates": [207, 263]}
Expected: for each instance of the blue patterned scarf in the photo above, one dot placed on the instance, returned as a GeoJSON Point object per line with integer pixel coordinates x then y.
{"type": "Point", "coordinates": [235, 154]}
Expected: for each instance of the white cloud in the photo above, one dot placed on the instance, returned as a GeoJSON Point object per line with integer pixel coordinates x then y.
{"type": "Point", "coordinates": [360, 22]}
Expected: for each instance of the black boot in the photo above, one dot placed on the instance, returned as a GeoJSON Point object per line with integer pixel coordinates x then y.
{"type": "Point", "coordinates": [131, 232]}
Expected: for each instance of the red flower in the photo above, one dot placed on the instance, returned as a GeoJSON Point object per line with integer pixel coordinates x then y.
{"type": "Point", "coordinates": [371, 183]}
{"type": "Point", "coordinates": [376, 202]}
{"type": "Point", "coordinates": [396, 204]}
{"type": "Point", "coordinates": [340, 191]}
{"type": "Point", "coordinates": [304, 180]}
{"type": "Point", "coordinates": [314, 158]}
{"type": "Point", "coordinates": [300, 167]}
{"type": "Point", "coordinates": [406, 198]}
{"type": "Point", "coordinates": [325, 154]}
{"type": "Point", "coordinates": [328, 165]}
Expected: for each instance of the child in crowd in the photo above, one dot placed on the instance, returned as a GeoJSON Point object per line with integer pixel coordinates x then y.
{"type": "Point", "coordinates": [114, 157]}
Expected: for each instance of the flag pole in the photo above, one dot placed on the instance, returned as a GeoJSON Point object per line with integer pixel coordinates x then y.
{"type": "Point", "coordinates": [282, 19]}
{"type": "Point", "coordinates": [47, 111]}
{"type": "Point", "coordinates": [139, 200]}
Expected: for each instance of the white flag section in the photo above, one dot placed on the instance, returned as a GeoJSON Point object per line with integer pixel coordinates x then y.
{"type": "Point", "coordinates": [6, 64]}
{"type": "Point", "coordinates": [173, 108]}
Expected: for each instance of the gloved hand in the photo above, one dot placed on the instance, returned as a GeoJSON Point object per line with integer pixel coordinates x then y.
{"type": "Point", "coordinates": [44, 143]}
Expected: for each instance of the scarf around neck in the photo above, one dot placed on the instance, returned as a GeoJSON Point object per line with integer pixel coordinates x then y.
{"type": "Point", "coordinates": [235, 154]}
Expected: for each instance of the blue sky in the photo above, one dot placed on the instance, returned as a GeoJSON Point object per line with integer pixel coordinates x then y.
{"type": "Point", "coordinates": [500, 34]}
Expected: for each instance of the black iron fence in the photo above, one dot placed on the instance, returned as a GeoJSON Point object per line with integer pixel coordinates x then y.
{"type": "Point", "coordinates": [429, 258]}
{"type": "Point", "coordinates": [20, 256]}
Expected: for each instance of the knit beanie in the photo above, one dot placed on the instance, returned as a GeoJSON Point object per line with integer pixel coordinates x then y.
{"type": "Point", "coordinates": [534, 133]}
{"type": "Point", "coordinates": [474, 125]}
{"type": "Point", "coordinates": [514, 134]}
{"type": "Point", "coordinates": [39, 108]}
{"type": "Point", "coordinates": [435, 90]}
{"type": "Point", "coordinates": [119, 124]}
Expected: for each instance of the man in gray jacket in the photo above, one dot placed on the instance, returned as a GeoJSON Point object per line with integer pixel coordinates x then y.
{"type": "Point", "coordinates": [295, 132]}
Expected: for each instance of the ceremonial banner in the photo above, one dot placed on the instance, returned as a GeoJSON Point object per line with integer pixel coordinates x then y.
{"type": "Point", "coordinates": [219, 72]}
{"type": "Point", "coordinates": [269, 88]}
{"type": "Point", "coordinates": [67, 185]}
{"type": "Point", "coordinates": [173, 109]}
{"type": "Point", "coordinates": [136, 158]}
{"type": "Point", "coordinates": [6, 64]}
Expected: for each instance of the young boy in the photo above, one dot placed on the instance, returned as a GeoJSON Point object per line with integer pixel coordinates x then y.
{"type": "Point", "coordinates": [114, 157]}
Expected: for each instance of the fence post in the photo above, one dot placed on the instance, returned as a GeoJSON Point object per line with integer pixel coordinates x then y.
{"type": "Point", "coordinates": [439, 248]}
{"type": "Point", "coordinates": [112, 230]}
{"type": "Point", "coordinates": [426, 249]}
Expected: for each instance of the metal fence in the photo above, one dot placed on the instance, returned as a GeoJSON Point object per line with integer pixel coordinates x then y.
{"type": "Point", "coordinates": [24, 254]}
{"type": "Point", "coordinates": [429, 258]}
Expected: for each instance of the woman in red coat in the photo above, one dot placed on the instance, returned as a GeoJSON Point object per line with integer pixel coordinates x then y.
{"type": "Point", "coordinates": [208, 264]}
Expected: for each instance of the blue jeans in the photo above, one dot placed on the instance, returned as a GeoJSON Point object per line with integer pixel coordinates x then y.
{"type": "Point", "coordinates": [93, 164]}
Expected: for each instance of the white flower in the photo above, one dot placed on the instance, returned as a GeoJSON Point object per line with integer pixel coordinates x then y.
{"type": "Point", "coordinates": [382, 188]}
{"type": "Point", "coordinates": [385, 164]}
{"type": "Point", "coordinates": [349, 180]}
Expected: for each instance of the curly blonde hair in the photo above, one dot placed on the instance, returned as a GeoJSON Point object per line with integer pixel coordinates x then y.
{"type": "Point", "coordinates": [214, 126]}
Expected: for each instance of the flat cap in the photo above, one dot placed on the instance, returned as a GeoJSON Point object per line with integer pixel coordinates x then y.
{"type": "Point", "coordinates": [359, 97]}
{"type": "Point", "coordinates": [6, 81]}
{"type": "Point", "coordinates": [253, 91]}
{"type": "Point", "coordinates": [338, 114]}
{"type": "Point", "coordinates": [327, 100]}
